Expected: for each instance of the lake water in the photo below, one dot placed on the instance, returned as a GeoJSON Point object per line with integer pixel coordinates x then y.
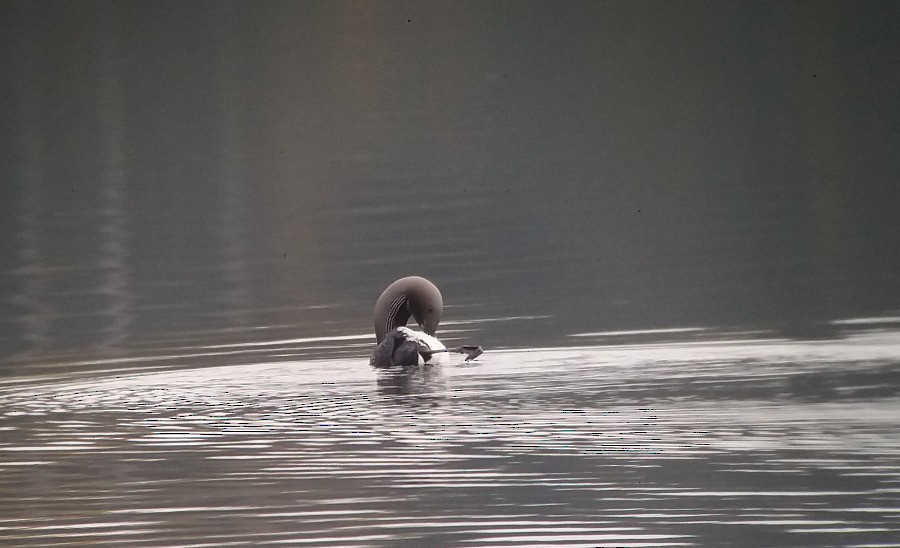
{"type": "Point", "coordinates": [740, 443]}
{"type": "Point", "coordinates": [672, 226]}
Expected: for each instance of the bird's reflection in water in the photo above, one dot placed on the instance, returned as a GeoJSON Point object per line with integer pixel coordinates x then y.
{"type": "Point", "coordinates": [423, 382]}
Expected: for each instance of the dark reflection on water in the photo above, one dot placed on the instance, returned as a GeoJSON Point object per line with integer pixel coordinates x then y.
{"type": "Point", "coordinates": [730, 443]}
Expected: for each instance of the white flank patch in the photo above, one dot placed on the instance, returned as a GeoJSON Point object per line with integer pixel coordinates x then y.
{"type": "Point", "coordinates": [427, 340]}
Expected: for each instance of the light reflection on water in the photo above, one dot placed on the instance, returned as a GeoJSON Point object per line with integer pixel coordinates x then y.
{"type": "Point", "coordinates": [740, 443]}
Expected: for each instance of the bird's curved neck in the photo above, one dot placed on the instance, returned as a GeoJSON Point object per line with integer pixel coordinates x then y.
{"type": "Point", "coordinates": [398, 313]}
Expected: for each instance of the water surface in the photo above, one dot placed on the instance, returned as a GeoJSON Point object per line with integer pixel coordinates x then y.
{"type": "Point", "coordinates": [184, 174]}
{"type": "Point", "coordinates": [672, 226]}
{"type": "Point", "coordinates": [746, 443]}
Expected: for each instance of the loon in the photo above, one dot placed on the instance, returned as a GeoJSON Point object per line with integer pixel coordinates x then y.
{"type": "Point", "coordinates": [398, 345]}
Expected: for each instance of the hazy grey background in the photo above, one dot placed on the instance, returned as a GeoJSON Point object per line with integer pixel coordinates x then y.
{"type": "Point", "coordinates": [180, 174]}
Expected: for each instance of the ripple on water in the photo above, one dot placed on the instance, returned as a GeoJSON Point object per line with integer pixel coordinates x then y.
{"type": "Point", "coordinates": [771, 443]}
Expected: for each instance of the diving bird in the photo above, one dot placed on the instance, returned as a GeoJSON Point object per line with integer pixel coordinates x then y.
{"type": "Point", "coordinates": [398, 345]}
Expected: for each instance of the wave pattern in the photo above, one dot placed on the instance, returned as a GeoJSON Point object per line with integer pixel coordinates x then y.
{"type": "Point", "coordinates": [744, 444]}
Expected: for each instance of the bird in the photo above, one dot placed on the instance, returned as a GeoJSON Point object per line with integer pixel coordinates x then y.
{"type": "Point", "coordinates": [396, 344]}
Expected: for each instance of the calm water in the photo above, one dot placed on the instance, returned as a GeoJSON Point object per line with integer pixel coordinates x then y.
{"type": "Point", "coordinates": [220, 173]}
{"type": "Point", "coordinates": [672, 226]}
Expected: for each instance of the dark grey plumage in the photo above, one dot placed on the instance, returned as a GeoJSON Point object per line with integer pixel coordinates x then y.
{"type": "Point", "coordinates": [400, 347]}
{"type": "Point", "coordinates": [410, 296]}
{"type": "Point", "coordinates": [396, 350]}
